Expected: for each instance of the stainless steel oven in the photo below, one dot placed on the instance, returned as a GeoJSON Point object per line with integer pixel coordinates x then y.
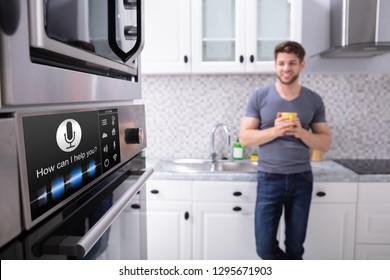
{"type": "Point", "coordinates": [72, 130]}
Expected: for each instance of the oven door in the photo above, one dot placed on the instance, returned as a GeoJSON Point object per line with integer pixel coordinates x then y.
{"type": "Point", "coordinates": [107, 222]}
{"type": "Point", "coordinates": [64, 153]}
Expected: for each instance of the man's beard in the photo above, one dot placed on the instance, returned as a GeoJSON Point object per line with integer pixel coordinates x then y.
{"type": "Point", "coordinates": [290, 81]}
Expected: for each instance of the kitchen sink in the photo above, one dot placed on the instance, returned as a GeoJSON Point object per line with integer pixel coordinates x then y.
{"type": "Point", "coordinates": [235, 166]}
{"type": "Point", "coordinates": [184, 165]}
{"type": "Point", "coordinates": [200, 165]}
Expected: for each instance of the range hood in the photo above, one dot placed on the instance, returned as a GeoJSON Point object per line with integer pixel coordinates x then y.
{"type": "Point", "coordinates": [358, 28]}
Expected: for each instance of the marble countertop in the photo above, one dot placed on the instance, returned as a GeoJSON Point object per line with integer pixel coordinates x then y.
{"type": "Point", "coordinates": [323, 171]}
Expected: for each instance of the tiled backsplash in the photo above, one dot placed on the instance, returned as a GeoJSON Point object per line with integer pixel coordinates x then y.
{"type": "Point", "coordinates": [182, 110]}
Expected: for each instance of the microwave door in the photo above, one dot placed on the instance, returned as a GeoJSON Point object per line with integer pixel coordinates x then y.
{"type": "Point", "coordinates": [104, 34]}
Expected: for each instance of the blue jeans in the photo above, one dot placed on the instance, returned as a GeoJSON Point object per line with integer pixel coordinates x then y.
{"type": "Point", "coordinates": [275, 192]}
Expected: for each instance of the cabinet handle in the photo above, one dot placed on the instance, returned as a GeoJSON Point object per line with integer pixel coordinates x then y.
{"type": "Point", "coordinates": [135, 206]}
{"type": "Point", "coordinates": [237, 193]}
{"type": "Point", "coordinates": [186, 215]}
{"type": "Point", "coordinates": [241, 58]}
{"type": "Point", "coordinates": [237, 208]}
{"type": "Point", "coordinates": [252, 58]}
{"type": "Point", "coordinates": [154, 191]}
{"type": "Point", "coordinates": [185, 59]}
{"type": "Point", "coordinates": [321, 194]}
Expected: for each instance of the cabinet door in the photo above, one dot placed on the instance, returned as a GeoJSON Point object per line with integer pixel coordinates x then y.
{"type": "Point", "coordinates": [268, 22]}
{"type": "Point", "coordinates": [373, 223]}
{"type": "Point", "coordinates": [231, 36]}
{"type": "Point", "coordinates": [330, 233]}
{"type": "Point", "coordinates": [169, 230]}
{"type": "Point", "coordinates": [372, 252]}
{"type": "Point", "coordinates": [373, 213]}
{"type": "Point", "coordinates": [167, 37]}
{"type": "Point", "coordinates": [224, 231]}
{"type": "Point", "coordinates": [218, 36]}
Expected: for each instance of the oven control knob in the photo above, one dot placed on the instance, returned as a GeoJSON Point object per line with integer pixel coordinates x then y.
{"type": "Point", "coordinates": [134, 135]}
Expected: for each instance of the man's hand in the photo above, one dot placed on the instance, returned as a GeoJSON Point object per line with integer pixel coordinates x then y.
{"type": "Point", "coordinates": [297, 129]}
{"type": "Point", "coordinates": [283, 126]}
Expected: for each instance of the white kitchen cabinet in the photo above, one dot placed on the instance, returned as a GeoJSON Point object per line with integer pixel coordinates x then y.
{"type": "Point", "coordinates": [220, 222]}
{"type": "Point", "coordinates": [330, 233]}
{"type": "Point", "coordinates": [372, 252]}
{"type": "Point", "coordinates": [331, 227]}
{"type": "Point", "coordinates": [223, 220]}
{"type": "Point", "coordinates": [169, 215]}
{"type": "Point", "coordinates": [167, 37]}
{"type": "Point", "coordinates": [216, 36]}
{"type": "Point", "coordinates": [373, 221]}
{"type": "Point", "coordinates": [238, 36]}
{"type": "Point", "coordinates": [222, 233]}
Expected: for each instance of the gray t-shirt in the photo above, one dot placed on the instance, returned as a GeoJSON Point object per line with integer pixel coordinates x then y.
{"type": "Point", "coordinates": [286, 154]}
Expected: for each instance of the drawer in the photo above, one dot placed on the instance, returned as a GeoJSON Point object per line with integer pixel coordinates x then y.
{"type": "Point", "coordinates": [374, 192]}
{"type": "Point", "coordinates": [334, 192]}
{"type": "Point", "coordinates": [224, 191]}
{"type": "Point", "coordinates": [169, 190]}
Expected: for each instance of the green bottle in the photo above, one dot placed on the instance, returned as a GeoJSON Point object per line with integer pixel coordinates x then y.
{"type": "Point", "coordinates": [238, 152]}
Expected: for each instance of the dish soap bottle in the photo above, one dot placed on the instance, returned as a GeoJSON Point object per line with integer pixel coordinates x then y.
{"type": "Point", "coordinates": [238, 151]}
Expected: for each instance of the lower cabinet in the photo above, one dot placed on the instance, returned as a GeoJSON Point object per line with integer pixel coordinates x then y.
{"type": "Point", "coordinates": [331, 227]}
{"type": "Point", "coordinates": [373, 221]}
{"type": "Point", "coordinates": [372, 252]}
{"type": "Point", "coordinates": [215, 220]}
{"type": "Point", "coordinates": [331, 232]}
{"type": "Point", "coordinates": [223, 220]}
{"type": "Point", "coordinates": [169, 215]}
{"type": "Point", "coordinates": [223, 231]}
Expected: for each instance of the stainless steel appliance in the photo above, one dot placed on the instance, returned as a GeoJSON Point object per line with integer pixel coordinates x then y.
{"type": "Point", "coordinates": [71, 130]}
{"type": "Point", "coordinates": [358, 28]}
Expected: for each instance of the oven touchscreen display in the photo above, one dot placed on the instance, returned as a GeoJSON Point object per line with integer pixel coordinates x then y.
{"type": "Point", "coordinates": [66, 152]}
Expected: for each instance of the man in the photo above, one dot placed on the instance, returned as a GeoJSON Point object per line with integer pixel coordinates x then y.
{"type": "Point", "coordinates": [284, 178]}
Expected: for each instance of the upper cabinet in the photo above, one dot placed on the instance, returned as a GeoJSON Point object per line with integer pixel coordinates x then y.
{"type": "Point", "coordinates": [216, 36]}
{"type": "Point", "coordinates": [167, 37]}
{"type": "Point", "coordinates": [233, 36]}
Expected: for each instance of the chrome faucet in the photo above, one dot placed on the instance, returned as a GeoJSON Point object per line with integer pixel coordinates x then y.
{"type": "Point", "coordinates": [227, 132]}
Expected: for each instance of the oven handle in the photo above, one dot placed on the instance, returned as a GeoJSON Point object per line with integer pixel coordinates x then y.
{"type": "Point", "coordinates": [85, 244]}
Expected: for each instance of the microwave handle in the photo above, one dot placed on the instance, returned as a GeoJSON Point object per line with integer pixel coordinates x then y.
{"type": "Point", "coordinates": [75, 246]}
{"type": "Point", "coordinates": [112, 17]}
{"type": "Point", "coordinates": [9, 16]}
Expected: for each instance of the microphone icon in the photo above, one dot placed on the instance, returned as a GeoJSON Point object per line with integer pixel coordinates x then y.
{"type": "Point", "coordinates": [70, 135]}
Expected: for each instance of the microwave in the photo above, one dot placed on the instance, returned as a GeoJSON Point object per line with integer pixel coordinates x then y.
{"type": "Point", "coordinates": [56, 51]}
